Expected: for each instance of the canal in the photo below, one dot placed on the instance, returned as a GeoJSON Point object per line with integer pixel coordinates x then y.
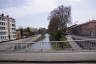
{"type": "Point", "coordinates": [42, 45]}
{"type": "Point", "coordinates": [47, 45]}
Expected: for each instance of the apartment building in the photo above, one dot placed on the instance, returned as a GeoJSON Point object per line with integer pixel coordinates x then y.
{"type": "Point", "coordinates": [7, 28]}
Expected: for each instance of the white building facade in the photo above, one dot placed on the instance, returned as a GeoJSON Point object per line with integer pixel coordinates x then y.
{"type": "Point", "coordinates": [7, 28]}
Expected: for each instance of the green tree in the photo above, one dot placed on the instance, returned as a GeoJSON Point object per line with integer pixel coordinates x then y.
{"type": "Point", "coordinates": [59, 19]}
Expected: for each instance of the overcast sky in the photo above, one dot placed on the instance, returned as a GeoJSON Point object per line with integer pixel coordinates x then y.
{"type": "Point", "coordinates": [35, 13]}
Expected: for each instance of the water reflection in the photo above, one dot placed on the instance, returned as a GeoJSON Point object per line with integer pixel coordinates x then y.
{"type": "Point", "coordinates": [43, 44]}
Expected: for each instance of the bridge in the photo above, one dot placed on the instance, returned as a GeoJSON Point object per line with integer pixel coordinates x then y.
{"type": "Point", "coordinates": [55, 51]}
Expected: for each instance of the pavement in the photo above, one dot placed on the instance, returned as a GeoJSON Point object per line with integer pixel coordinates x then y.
{"type": "Point", "coordinates": [72, 56]}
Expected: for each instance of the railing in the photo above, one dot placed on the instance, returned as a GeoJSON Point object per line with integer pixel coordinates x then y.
{"type": "Point", "coordinates": [48, 46]}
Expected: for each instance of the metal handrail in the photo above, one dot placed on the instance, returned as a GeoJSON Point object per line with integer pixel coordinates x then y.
{"type": "Point", "coordinates": [84, 44]}
{"type": "Point", "coordinates": [52, 41]}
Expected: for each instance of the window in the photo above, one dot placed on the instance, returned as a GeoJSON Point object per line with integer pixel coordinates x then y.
{"type": "Point", "coordinates": [14, 36]}
{"type": "Point", "coordinates": [2, 23]}
{"type": "Point", "coordinates": [1, 37]}
{"type": "Point", "coordinates": [0, 18]}
{"type": "Point", "coordinates": [4, 37]}
{"type": "Point", "coordinates": [13, 28]}
{"type": "Point", "coordinates": [2, 33]}
{"type": "Point", "coordinates": [13, 32]}
{"type": "Point", "coordinates": [2, 28]}
{"type": "Point", "coordinates": [13, 24]}
{"type": "Point", "coordinates": [3, 19]}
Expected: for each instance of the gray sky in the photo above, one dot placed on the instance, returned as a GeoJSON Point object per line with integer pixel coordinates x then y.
{"type": "Point", "coordinates": [35, 13]}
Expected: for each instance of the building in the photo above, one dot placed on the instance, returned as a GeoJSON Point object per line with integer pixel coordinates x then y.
{"type": "Point", "coordinates": [18, 34]}
{"type": "Point", "coordinates": [7, 28]}
{"type": "Point", "coordinates": [85, 29]}
{"type": "Point", "coordinates": [70, 30]}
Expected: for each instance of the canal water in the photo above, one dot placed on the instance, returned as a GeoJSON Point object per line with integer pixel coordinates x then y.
{"type": "Point", "coordinates": [42, 45]}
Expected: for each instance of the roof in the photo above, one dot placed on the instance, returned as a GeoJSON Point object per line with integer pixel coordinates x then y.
{"type": "Point", "coordinates": [92, 21]}
{"type": "Point", "coordinates": [7, 17]}
{"type": "Point", "coordinates": [76, 25]}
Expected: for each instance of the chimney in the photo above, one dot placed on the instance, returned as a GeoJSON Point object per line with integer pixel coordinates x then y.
{"type": "Point", "coordinates": [2, 14]}
{"type": "Point", "coordinates": [7, 16]}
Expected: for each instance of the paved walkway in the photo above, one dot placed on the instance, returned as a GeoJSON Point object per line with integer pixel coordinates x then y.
{"type": "Point", "coordinates": [25, 40]}
{"type": "Point", "coordinates": [10, 45]}
{"type": "Point", "coordinates": [72, 43]}
{"type": "Point", "coordinates": [82, 37]}
{"type": "Point", "coordinates": [32, 39]}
